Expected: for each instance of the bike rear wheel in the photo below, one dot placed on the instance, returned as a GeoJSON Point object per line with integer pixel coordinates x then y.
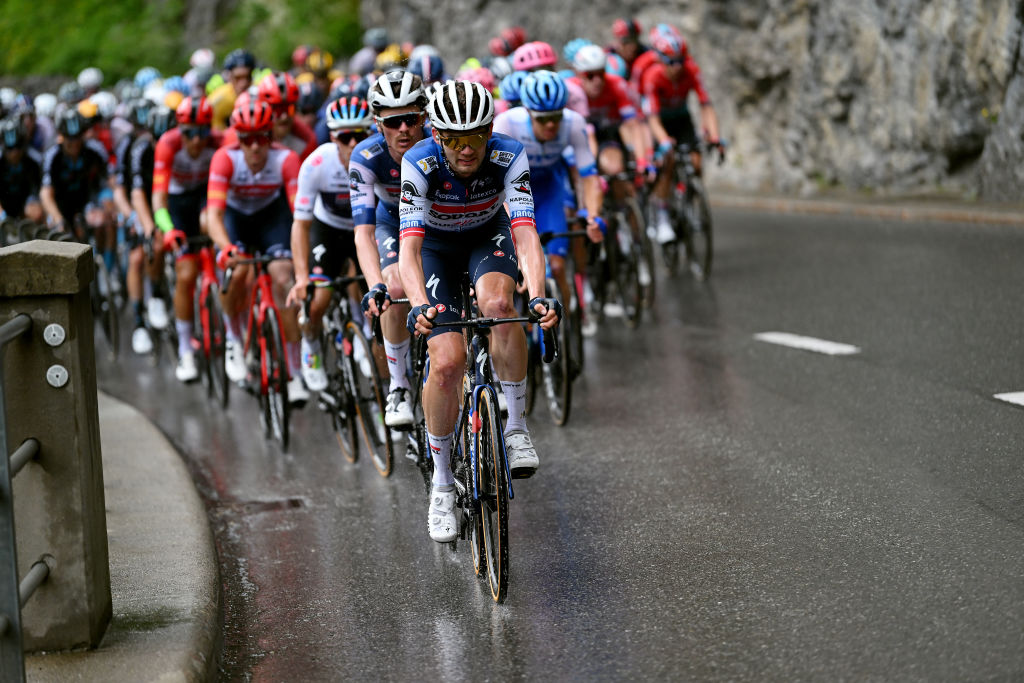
{"type": "Point", "coordinates": [698, 242]}
{"type": "Point", "coordinates": [493, 495]}
{"type": "Point", "coordinates": [337, 399]}
{"type": "Point", "coordinates": [214, 338]}
{"type": "Point", "coordinates": [275, 367]}
{"type": "Point", "coordinates": [105, 306]}
{"type": "Point", "coordinates": [624, 266]}
{"type": "Point", "coordinates": [558, 378]}
{"type": "Point", "coordinates": [370, 401]}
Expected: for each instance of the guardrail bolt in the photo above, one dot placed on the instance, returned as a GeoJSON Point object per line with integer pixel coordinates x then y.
{"type": "Point", "coordinates": [54, 334]}
{"type": "Point", "coordinates": [57, 376]}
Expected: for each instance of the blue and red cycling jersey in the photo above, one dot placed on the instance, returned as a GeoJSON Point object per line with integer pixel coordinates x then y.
{"type": "Point", "coordinates": [433, 198]}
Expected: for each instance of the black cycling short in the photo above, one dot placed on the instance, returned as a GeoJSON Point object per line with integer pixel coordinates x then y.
{"type": "Point", "coordinates": [446, 256]}
{"type": "Point", "coordinates": [267, 231]}
{"type": "Point", "coordinates": [330, 249]}
{"type": "Point", "coordinates": [681, 129]}
{"type": "Point", "coordinates": [185, 209]}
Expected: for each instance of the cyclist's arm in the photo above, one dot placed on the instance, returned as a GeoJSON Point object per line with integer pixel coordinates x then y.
{"type": "Point", "coordinates": [49, 200]}
{"type": "Point", "coordinates": [410, 266]}
{"type": "Point", "coordinates": [709, 122]}
{"type": "Point", "coordinates": [141, 206]}
{"type": "Point", "coordinates": [366, 253]}
{"type": "Point", "coordinates": [163, 160]}
{"type": "Point", "coordinates": [221, 170]}
{"type": "Point", "coordinates": [661, 135]}
{"type": "Point", "coordinates": [300, 258]}
{"type": "Point", "coordinates": [708, 119]}
{"type": "Point", "coordinates": [411, 213]}
{"type": "Point", "coordinates": [524, 226]}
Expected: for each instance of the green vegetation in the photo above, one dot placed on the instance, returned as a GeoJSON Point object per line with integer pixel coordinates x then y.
{"type": "Point", "coordinates": [123, 35]}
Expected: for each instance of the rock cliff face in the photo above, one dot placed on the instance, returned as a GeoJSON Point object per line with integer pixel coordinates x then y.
{"type": "Point", "coordinates": [888, 95]}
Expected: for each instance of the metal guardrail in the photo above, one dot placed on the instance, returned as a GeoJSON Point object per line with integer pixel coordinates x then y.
{"type": "Point", "coordinates": [13, 595]}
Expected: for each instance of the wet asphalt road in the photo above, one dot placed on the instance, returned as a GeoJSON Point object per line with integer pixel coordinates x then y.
{"type": "Point", "coordinates": [718, 508]}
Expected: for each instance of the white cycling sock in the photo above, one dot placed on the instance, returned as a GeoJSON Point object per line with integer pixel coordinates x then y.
{"type": "Point", "coordinates": [184, 330]}
{"type": "Point", "coordinates": [309, 346]}
{"type": "Point", "coordinates": [515, 399]}
{"type": "Point", "coordinates": [398, 361]}
{"type": "Point", "coordinates": [147, 289]}
{"type": "Point", "coordinates": [233, 328]}
{"type": "Point", "coordinates": [440, 450]}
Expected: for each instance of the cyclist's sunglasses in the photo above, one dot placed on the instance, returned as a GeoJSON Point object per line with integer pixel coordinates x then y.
{"type": "Point", "coordinates": [673, 61]}
{"type": "Point", "coordinates": [283, 110]}
{"type": "Point", "coordinates": [346, 137]}
{"type": "Point", "coordinates": [258, 138]}
{"type": "Point", "coordinates": [591, 75]}
{"type": "Point", "coordinates": [395, 122]}
{"type": "Point", "coordinates": [195, 131]}
{"type": "Point", "coordinates": [457, 143]}
{"type": "Point", "coordinates": [545, 117]}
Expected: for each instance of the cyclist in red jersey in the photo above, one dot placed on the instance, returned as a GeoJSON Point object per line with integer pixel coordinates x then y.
{"type": "Point", "coordinates": [666, 88]}
{"type": "Point", "coordinates": [180, 174]}
{"type": "Point", "coordinates": [250, 198]}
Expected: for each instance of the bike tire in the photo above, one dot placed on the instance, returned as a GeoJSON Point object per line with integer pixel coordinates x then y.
{"type": "Point", "coordinates": [105, 307]}
{"type": "Point", "coordinates": [575, 308]}
{"type": "Point", "coordinates": [626, 279]}
{"type": "Point", "coordinates": [558, 380]}
{"type": "Point", "coordinates": [276, 368]}
{"type": "Point", "coordinates": [213, 347]}
{"type": "Point", "coordinates": [699, 242]}
{"type": "Point", "coordinates": [371, 402]}
{"type": "Point", "coordinates": [645, 254]}
{"type": "Point", "coordinates": [338, 396]}
{"type": "Point", "coordinates": [493, 493]}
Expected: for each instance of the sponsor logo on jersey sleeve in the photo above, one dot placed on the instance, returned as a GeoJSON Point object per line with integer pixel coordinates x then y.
{"type": "Point", "coordinates": [372, 151]}
{"type": "Point", "coordinates": [427, 164]}
{"type": "Point", "coordinates": [502, 158]}
{"type": "Point", "coordinates": [408, 192]}
{"type": "Point", "coordinates": [355, 177]}
{"type": "Point", "coordinates": [522, 183]}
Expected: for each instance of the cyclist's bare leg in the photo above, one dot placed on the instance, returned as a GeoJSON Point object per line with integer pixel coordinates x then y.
{"type": "Point", "coordinates": [663, 185]}
{"type": "Point", "coordinates": [557, 264]}
{"type": "Point", "coordinates": [317, 308]}
{"type": "Point", "coordinates": [234, 300]}
{"type": "Point", "coordinates": [393, 321]}
{"type": "Point", "coordinates": [187, 270]}
{"type": "Point", "coordinates": [283, 275]}
{"type": "Point", "coordinates": [442, 392]}
{"type": "Point", "coordinates": [508, 342]}
{"type": "Point", "coordinates": [155, 266]}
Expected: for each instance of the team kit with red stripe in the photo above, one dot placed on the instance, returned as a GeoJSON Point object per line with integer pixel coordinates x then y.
{"type": "Point", "coordinates": [376, 181]}
{"type": "Point", "coordinates": [323, 197]}
{"type": "Point", "coordinates": [464, 225]}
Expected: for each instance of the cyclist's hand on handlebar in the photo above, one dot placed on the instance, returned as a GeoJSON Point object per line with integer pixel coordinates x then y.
{"type": "Point", "coordinates": [297, 294]}
{"type": "Point", "coordinates": [419, 320]}
{"type": "Point", "coordinates": [377, 300]}
{"type": "Point", "coordinates": [596, 228]}
{"type": "Point", "coordinates": [547, 311]}
{"type": "Point", "coordinates": [720, 146]}
{"type": "Point", "coordinates": [174, 240]}
{"type": "Point", "coordinates": [227, 256]}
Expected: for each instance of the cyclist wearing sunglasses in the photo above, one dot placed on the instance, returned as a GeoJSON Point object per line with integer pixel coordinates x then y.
{"type": "Point", "coordinates": [279, 90]}
{"type": "Point", "coordinates": [181, 171]}
{"type": "Point", "coordinates": [323, 220]}
{"type": "Point", "coordinates": [397, 100]}
{"type": "Point", "coordinates": [546, 128]}
{"type": "Point", "coordinates": [453, 221]}
{"type": "Point", "coordinates": [666, 87]}
{"type": "Point", "coordinates": [250, 198]}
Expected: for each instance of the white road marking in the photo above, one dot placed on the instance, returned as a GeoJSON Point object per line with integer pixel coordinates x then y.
{"type": "Point", "coordinates": [1016, 397]}
{"type": "Point", "coordinates": [796, 341]}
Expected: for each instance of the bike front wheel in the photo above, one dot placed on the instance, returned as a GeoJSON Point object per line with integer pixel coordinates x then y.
{"type": "Point", "coordinates": [337, 399]}
{"type": "Point", "coordinates": [370, 401]}
{"type": "Point", "coordinates": [275, 369]}
{"type": "Point", "coordinates": [698, 241]}
{"type": "Point", "coordinates": [214, 338]}
{"type": "Point", "coordinates": [492, 479]}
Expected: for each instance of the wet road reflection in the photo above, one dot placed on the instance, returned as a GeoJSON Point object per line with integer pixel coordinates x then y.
{"type": "Point", "coordinates": [717, 508]}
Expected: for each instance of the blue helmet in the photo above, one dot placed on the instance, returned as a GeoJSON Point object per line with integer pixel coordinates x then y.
{"type": "Point", "coordinates": [544, 91]}
{"type": "Point", "coordinates": [145, 76]}
{"type": "Point", "coordinates": [617, 65]}
{"type": "Point", "coordinates": [177, 84]}
{"type": "Point", "coordinates": [510, 87]}
{"type": "Point", "coordinates": [428, 67]}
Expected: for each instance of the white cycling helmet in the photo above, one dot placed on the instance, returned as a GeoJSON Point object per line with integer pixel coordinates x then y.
{"type": "Point", "coordinates": [45, 104]}
{"type": "Point", "coordinates": [154, 92]}
{"type": "Point", "coordinates": [397, 88]}
{"type": "Point", "coordinates": [203, 58]}
{"type": "Point", "coordinates": [106, 103]}
{"type": "Point", "coordinates": [7, 97]}
{"type": "Point", "coordinates": [590, 58]}
{"type": "Point", "coordinates": [459, 105]}
{"type": "Point", "coordinates": [90, 78]}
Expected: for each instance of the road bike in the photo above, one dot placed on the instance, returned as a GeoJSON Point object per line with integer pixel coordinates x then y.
{"type": "Point", "coordinates": [264, 349]}
{"type": "Point", "coordinates": [209, 333]}
{"type": "Point", "coordinates": [479, 463]}
{"type": "Point", "coordinates": [355, 394]}
{"type": "Point", "coordinates": [691, 215]}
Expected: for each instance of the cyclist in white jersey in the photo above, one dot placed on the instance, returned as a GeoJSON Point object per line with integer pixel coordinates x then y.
{"type": "Point", "coordinates": [323, 219]}
{"type": "Point", "coordinates": [545, 127]}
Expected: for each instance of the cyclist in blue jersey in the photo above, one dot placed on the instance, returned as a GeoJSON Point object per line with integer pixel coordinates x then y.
{"type": "Point", "coordinates": [397, 100]}
{"type": "Point", "coordinates": [546, 128]}
{"type": "Point", "coordinates": [453, 221]}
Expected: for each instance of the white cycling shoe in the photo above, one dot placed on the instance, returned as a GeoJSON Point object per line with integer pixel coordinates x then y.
{"type": "Point", "coordinates": [187, 371]}
{"type": "Point", "coordinates": [398, 411]}
{"type": "Point", "coordinates": [234, 361]}
{"type": "Point", "coordinates": [156, 311]}
{"type": "Point", "coordinates": [313, 372]}
{"type": "Point", "coordinates": [297, 391]}
{"type": "Point", "coordinates": [441, 521]}
{"type": "Point", "coordinates": [142, 343]}
{"type": "Point", "coordinates": [522, 456]}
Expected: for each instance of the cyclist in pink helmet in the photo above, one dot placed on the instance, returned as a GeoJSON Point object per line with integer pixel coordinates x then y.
{"type": "Point", "coordinates": [533, 56]}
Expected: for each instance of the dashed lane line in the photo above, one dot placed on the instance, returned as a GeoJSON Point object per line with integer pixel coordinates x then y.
{"type": "Point", "coordinates": [796, 341]}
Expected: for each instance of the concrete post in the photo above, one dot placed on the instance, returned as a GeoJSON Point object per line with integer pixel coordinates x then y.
{"type": "Point", "coordinates": [58, 498]}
